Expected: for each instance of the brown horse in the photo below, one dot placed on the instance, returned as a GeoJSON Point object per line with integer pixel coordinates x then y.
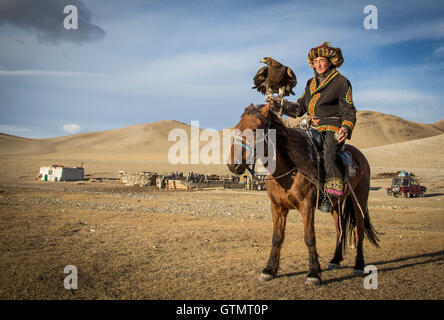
{"type": "Point", "coordinates": [293, 186]}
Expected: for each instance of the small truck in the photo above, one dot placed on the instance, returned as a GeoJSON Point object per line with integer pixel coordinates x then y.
{"type": "Point", "coordinates": [407, 186]}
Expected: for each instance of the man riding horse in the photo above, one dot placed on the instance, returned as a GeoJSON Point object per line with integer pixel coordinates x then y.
{"type": "Point", "coordinates": [328, 100]}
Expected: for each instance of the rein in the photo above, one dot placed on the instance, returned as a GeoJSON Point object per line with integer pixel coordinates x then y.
{"type": "Point", "coordinates": [318, 161]}
{"type": "Point", "coordinates": [244, 144]}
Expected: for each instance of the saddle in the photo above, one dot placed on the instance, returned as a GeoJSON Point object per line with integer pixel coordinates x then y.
{"type": "Point", "coordinates": [347, 165]}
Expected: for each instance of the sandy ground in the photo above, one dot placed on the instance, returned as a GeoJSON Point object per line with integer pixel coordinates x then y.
{"type": "Point", "coordinates": [145, 243]}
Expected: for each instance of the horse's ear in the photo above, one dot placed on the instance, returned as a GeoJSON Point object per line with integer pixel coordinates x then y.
{"type": "Point", "coordinates": [265, 110]}
{"type": "Point", "coordinates": [251, 106]}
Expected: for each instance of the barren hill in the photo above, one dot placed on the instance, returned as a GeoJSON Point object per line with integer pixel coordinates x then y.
{"type": "Point", "coordinates": [150, 140]}
{"type": "Point", "coordinates": [439, 125]}
{"type": "Point", "coordinates": [421, 153]}
{"type": "Point", "coordinates": [147, 137]}
{"type": "Point", "coordinates": [376, 129]}
{"type": "Point", "coordinates": [12, 145]}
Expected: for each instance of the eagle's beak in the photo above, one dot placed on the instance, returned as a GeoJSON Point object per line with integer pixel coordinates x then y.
{"type": "Point", "coordinates": [262, 61]}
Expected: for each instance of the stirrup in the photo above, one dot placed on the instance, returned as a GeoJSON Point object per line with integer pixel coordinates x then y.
{"type": "Point", "coordinates": [325, 206]}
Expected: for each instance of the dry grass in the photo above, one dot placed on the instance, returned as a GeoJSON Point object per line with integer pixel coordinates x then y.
{"type": "Point", "coordinates": [124, 251]}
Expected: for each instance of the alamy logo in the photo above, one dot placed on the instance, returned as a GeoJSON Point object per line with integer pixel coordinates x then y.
{"type": "Point", "coordinates": [237, 147]}
{"type": "Point", "coordinates": [371, 280]}
{"type": "Point", "coordinates": [71, 280]}
{"type": "Point", "coordinates": [71, 20]}
{"type": "Point", "coordinates": [371, 21]}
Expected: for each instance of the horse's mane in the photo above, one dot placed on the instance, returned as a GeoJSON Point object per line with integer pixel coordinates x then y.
{"type": "Point", "coordinates": [293, 144]}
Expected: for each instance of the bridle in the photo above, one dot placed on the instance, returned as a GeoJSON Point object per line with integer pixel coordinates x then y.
{"type": "Point", "coordinates": [238, 140]}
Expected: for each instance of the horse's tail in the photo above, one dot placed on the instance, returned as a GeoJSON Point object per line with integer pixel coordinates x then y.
{"type": "Point", "coordinates": [370, 233]}
{"type": "Point", "coordinates": [349, 223]}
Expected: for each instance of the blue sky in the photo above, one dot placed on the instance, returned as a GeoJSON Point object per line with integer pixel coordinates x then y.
{"type": "Point", "coordinates": [135, 62]}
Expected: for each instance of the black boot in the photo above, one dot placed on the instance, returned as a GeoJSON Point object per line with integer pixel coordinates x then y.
{"type": "Point", "coordinates": [325, 205]}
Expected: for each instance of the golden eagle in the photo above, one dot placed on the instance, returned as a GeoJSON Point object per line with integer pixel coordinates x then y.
{"type": "Point", "coordinates": [274, 78]}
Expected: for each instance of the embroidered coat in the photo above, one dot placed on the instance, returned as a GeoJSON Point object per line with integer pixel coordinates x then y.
{"type": "Point", "coordinates": [329, 103]}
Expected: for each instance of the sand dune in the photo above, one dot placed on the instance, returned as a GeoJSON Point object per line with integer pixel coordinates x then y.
{"type": "Point", "coordinates": [376, 129]}
{"type": "Point", "coordinates": [12, 145]}
{"type": "Point", "coordinates": [150, 140]}
{"type": "Point", "coordinates": [140, 137]}
{"type": "Point", "coordinates": [420, 153]}
{"type": "Point", "coordinates": [439, 125]}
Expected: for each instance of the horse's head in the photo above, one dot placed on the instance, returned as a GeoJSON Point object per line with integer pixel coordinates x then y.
{"type": "Point", "coordinates": [252, 119]}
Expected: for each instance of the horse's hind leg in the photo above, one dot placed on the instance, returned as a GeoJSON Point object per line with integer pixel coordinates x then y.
{"type": "Point", "coordinates": [359, 236]}
{"type": "Point", "coordinates": [359, 232]}
{"type": "Point", "coordinates": [279, 222]}
{"type": "Point", "coordinates": [337, 257]}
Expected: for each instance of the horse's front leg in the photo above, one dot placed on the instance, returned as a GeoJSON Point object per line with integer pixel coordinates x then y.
{"type": "Point", "coordinates": [314, 274]}
{"type": "Point", "coordinates": [279, 222]}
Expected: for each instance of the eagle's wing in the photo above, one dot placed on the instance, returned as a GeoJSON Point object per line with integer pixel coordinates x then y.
{"type": "Point", "coordinates": [260, 78]}
{"type": "Point", "coordinates": [292, 81]}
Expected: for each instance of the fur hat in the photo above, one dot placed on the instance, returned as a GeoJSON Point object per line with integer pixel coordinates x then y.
{"type": "Point", "coordinates": [327, 51]}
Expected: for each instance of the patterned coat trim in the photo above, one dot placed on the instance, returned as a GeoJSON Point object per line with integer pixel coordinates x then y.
{"type": "Point", "coordinates": [348, 96]}
{"type": "Point", "coordinates": [312, 104]}
{"type": "Point", "coordinates": [303, 95]}
{"type": "Point", "coordinates": [326, 128]}
{"type": "Point", "coordinates": [314, 88]}
{"type": "Point", "coordinates": [348, 124]}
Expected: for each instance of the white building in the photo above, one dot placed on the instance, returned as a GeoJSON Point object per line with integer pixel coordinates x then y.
{"type": "Point", "coordinates": [61, 173]}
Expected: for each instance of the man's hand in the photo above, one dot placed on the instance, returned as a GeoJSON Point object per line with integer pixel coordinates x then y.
{"type": "Point", "coordinates": [342, 134]}
{"type": "Point", "coordinates": [275, 99]}
{"type": "Point", "coordinates": [269, 98]}
{"type": "Point", "coordinates": [275, 103]}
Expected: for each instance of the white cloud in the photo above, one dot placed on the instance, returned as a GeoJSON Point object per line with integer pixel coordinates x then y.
{"type": "Point", "coordinates": [439, 52]}
{"type": "Point", "coordinates": [72, 128]}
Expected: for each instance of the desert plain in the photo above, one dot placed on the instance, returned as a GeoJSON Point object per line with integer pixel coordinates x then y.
{"type": "Point", "coordinates": [132, 242]}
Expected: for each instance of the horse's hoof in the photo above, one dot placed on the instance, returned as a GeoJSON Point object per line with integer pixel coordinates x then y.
{"type": "Point", "coordinates": [358, 273]}
{"type": "Point", "coordinates": [333, 266]}
{"type": "Point", "coordinates": [313, 281]}
{"type": "Point", "coordinates": [264, 277]}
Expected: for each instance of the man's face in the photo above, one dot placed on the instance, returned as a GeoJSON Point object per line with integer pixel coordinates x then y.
{"type": "Point", "coordinates": [321, 64]}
